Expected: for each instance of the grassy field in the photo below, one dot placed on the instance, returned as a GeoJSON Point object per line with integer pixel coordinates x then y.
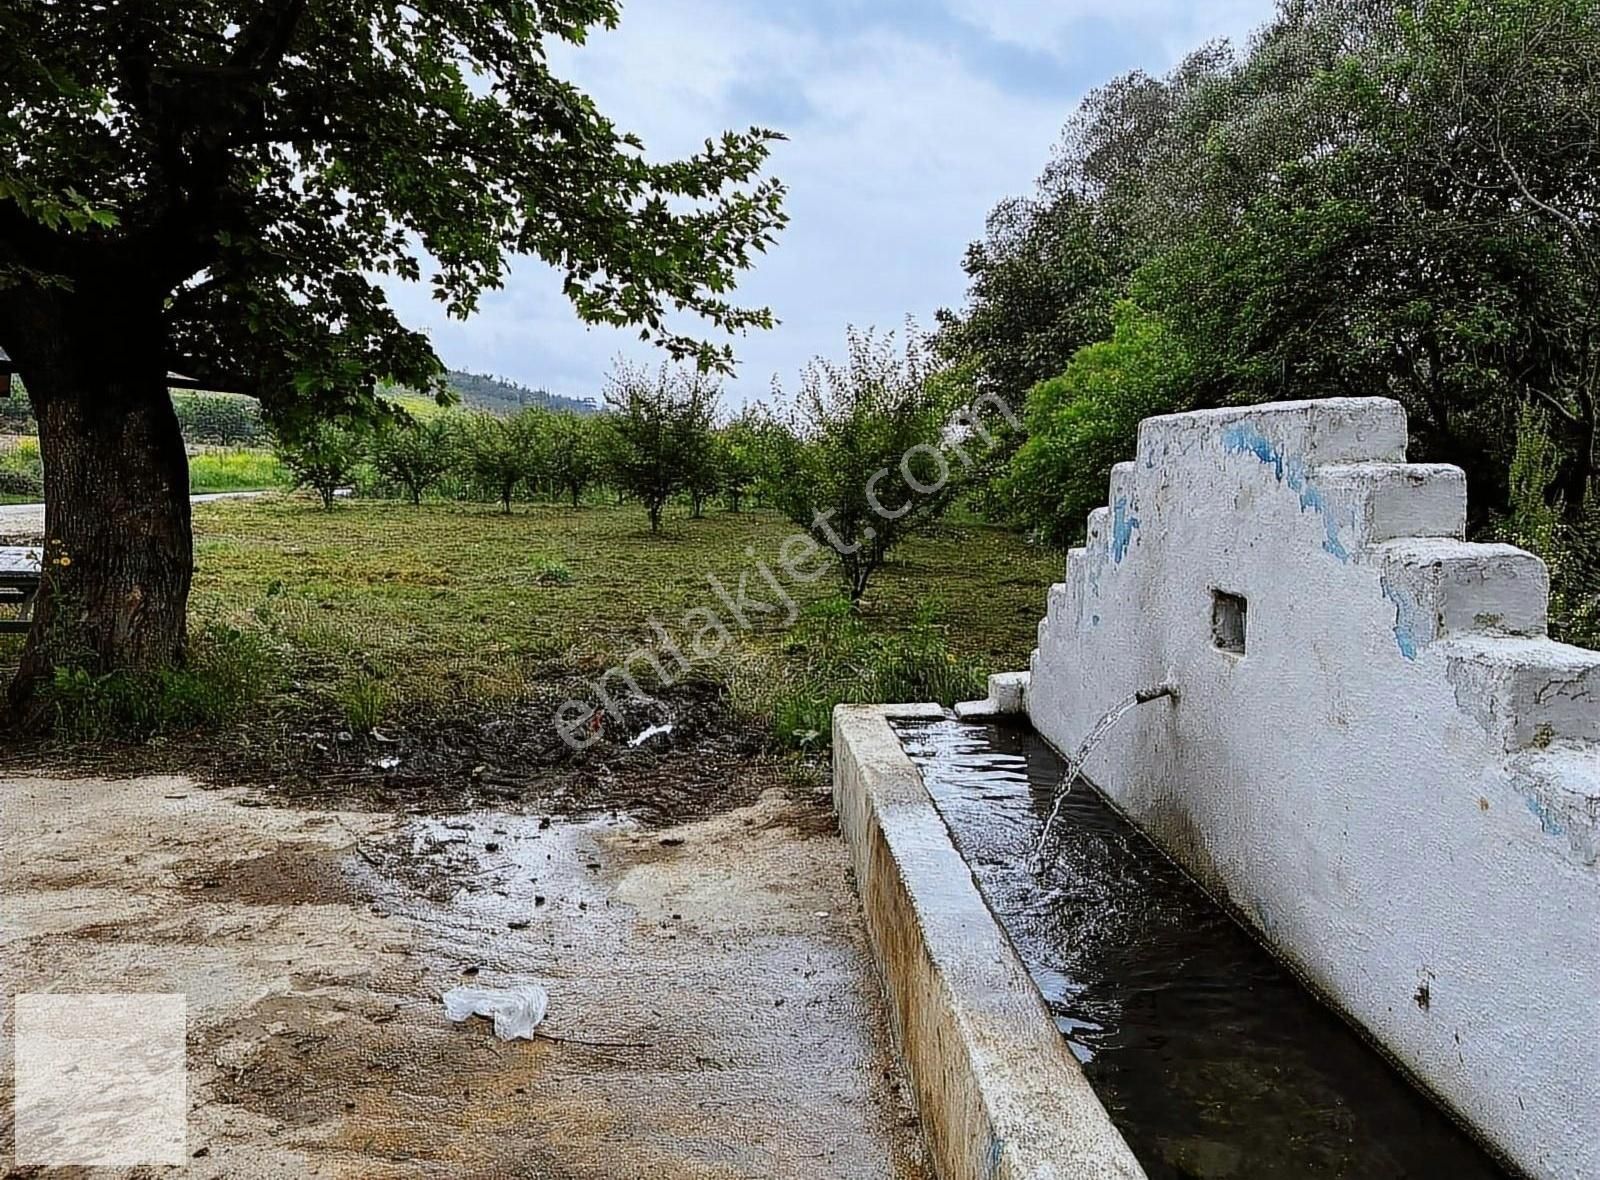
{"type": "Point", "coordinates": [239, 469]}
{"type": "Point", "coordinates": [211, 469]}
{"type": "Point", "coordinates": [446, 602]}
{"type": "Point", "coordinates": [324, 642]}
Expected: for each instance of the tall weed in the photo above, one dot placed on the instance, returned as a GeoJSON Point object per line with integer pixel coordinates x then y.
{"type": "Point", "coordinates": [227, 671]}
{"type": "Point", "coordinates": [833, 657]}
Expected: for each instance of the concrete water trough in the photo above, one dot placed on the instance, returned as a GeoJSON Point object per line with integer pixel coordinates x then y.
{"type": "Point", "coordinates": [1371, 759]}
{"type": "Point", "coordinates": [998, 1089]}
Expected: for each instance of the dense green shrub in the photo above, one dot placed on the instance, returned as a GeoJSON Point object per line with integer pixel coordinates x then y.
{"type": "Point", "coordinates": [324, 456]}
{"type": "Point", "coordinates": [1569, 545]}
{"type": "Point", "coordinates": [19, 483]}
{"type": "Point", "coordinates": [16, 412]}
{"type": "Point", "coordinates": [1083, 422]}
{"type": "Point", "coordinates": [832, 657]}
{"type": "Point", "coordinates": [219, 419]}
{"type": "Point", "coordinates": [21, 470]}
{"type": "Point", "coordinates": [226, 672]}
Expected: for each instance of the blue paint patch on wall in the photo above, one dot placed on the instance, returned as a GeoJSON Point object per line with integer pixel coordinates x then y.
{"type": "Point", "coordinates": [1312, 500]}
{"type": "Point", "coordinates": [1407, 618]}
{"type": "Point", "coordinates": [1122, 526]}
{"type": "Point", "coordinates": [1244, 439]}
{"type": "Point", "coordinates": [1549, 822]}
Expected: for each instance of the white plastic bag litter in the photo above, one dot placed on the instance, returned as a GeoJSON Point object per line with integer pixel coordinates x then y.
{"type": "Point", "coordinates": [653, 731]}
{"type": "Point", "coordinates": [516, 1011]}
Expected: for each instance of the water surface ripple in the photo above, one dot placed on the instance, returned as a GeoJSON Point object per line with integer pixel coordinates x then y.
{"type": "Point", "coordinates": [1213, 1060]}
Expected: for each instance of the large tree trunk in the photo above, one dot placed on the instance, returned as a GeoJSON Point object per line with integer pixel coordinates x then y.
{"type": "Point", "coordinates": [118, 554]}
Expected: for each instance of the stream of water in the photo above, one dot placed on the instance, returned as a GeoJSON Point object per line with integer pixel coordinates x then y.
{"type": "Point", "coordinates": [1073, 770]}
{"type": "Point", "coordinates": [1212, 1059]}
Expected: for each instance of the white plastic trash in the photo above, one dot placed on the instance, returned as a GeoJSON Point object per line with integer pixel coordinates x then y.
{"type": "Point", "coordinates": [653, 731]}
{"type": "Point", "coordinates": [516, 1011]}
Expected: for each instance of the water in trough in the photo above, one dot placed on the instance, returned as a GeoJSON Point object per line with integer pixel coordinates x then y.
{"type": "Point", "coordinates": [1212, 1059]}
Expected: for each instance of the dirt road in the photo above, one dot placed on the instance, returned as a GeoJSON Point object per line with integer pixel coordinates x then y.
{"type": "Point", "coordinates": [25, 521]}
{"type": "Point", "coordinates": [717, 969]}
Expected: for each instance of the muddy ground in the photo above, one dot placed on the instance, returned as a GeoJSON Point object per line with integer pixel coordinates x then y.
{"type": "Point", "coordinates": [697, 757]}
{"type": "Point", "coordinates": [714, 1012]}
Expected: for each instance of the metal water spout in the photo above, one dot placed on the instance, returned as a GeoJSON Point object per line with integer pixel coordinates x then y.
{"type": "Point", "coordinates": [1097, 733]}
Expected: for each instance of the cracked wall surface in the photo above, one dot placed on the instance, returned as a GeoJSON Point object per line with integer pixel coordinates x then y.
{"type": "Point", "coordinates": [1397, 782]}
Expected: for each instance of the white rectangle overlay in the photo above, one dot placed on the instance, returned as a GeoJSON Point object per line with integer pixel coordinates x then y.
{"type": "Point", "coordinates": [100, 1079]}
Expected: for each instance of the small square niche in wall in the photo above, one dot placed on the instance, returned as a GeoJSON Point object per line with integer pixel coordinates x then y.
{"type": "Point", "coordinates": [1228, 615]}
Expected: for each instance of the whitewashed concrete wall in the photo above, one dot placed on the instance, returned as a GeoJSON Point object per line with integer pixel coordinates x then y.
{"type": "Point", "coordinates": [1396, 783]}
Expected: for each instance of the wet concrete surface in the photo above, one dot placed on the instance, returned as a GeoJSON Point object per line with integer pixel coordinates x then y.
{"type": "Point", "coordinates": [713, 1014]}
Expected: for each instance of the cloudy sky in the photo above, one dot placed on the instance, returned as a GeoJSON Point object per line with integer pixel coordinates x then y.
{"type": "Point", "coordinates": [907, 120]}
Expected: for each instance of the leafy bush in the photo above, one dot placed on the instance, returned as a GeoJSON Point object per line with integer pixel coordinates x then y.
{"type": "Point", "coordinates": [832, 657]}
{"type": "Point", "coordinates": [20, 483]}
{"type": "Point", "coordinates": [16, 413]}
{"type": "Point", "coordinates": [415, 454]}
{"type": "Point", "coordinates": [324, 456]}
{"type": "Point", "coordinates": [227, 671]}
{"type": "Point", "coordinates": [1083, 422]}
{"type": "Point", "coordinates": [551, 571]}
{"type": "Point", "coordinates": [21, 470]}
{"type": "Point", "coordinates": [1569, 544]}
{"type": "Point", "coordinates": [219, 419]}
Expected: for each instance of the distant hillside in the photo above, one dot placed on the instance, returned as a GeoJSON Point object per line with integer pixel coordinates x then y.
{"type": "Point", "coordinates": [496, 393]}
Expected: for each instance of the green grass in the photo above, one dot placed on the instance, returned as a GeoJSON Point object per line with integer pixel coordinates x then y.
{"type": "Point", "coordinates": [382, 605]}
{"type": "Point", "coordinates": [233, 469]}
{"type": "Point", "coordinates": [21, 471]}
{"type": "Point", "coordinates": [236, 470]}
{"type": "Point", "coordinates": [833, 656]}
{"type": "Point", "coordinates": [415, 404]}
{"type": "Point", "coordinates": [227, 672]}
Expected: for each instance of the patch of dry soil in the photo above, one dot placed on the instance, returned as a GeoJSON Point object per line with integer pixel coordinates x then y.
{"type": "Point", "coordinates": [714, 1012]}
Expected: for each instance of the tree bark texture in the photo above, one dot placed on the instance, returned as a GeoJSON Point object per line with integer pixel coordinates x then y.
{"type": "Point", "coordinates": [118, 555]}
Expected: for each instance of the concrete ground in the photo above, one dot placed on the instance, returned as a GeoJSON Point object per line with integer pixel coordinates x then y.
{"type": "Point", "coordinates": [714, 1012]}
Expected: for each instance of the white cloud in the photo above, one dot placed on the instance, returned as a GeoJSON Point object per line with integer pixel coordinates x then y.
{"type": "Point", "coordinates": [899, 145]}
{"type": "Point", "coordinates": [1171, 27]}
